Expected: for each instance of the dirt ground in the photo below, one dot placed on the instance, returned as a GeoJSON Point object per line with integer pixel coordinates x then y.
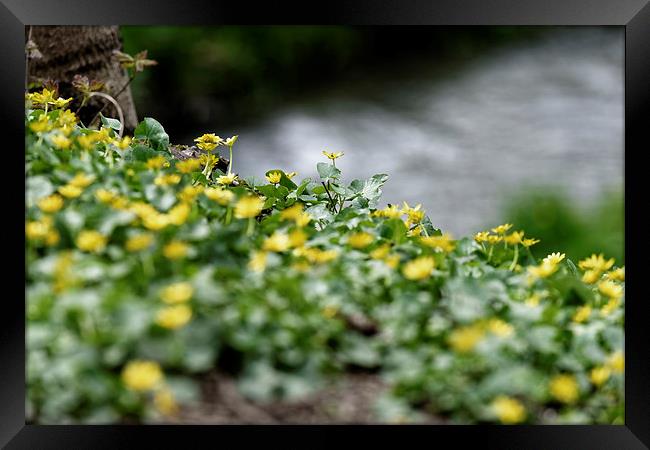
{"type": "Point", "coordinates": [348, 401]}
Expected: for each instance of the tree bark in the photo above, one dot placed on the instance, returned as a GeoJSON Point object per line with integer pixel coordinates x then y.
{"type": "Point", "coordinates": [84, 50]}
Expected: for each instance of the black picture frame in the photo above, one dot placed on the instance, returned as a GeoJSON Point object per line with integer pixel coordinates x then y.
{"type": "Point", "coordinates": [633, 15]}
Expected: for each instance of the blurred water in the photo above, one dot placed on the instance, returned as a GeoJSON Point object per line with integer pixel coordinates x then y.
{"type": "Point", "coordinates": [548, 112]}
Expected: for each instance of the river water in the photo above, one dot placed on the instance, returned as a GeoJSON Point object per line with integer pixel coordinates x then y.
{"type": "Point", "coordinates": [549, 112]}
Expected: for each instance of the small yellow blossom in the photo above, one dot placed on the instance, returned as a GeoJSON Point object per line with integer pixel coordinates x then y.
{"type": "Point", "coordinates": [274, 177]}
{"type": "Point", "coordinates": [219, 195]}
{"type": "Point", "coordinates": [514, 238]}
{"type": "Point", "coordinates": [277, 242]}
{"type": "Point", "coordinates": [139, 242]}
{"type": "Point", "coordinates": [60, 141]}
{"type": "Point", "coordinates": [481, 236]}
{"type": "Point", "coordinates": [231, 140]}
{"type": "Point", "coordinates": [414, 214]}
{"type": "Point", "coordinates": [380, 252]}
{"type": "Point", "coordinates": [303, 219]}
{"type": "Point", "coordinates": [297, 238]}
{"type": "Point", "coordinates": [392, 261]}
{"type": "Point", "coordinates": [227, 180]}
{"type": "Point", "coordinates": [582, 314]}
{"type": "Point", "coordinates": [419, 268]}
{"type": "Point", "coordinates": [125, 142]}
{"type": "Point", "coordinates": [189, 193]}
{"type": "Point", "coordinates": [70, 191]}
{"type": "Point", "coordinates": [36, 230]}
{"type": "Point", "coordinates": [208, 142]}
{"type": "Point", "coordinates": [257, 262]}
{"type": "Point", "coordinates": [91, 241]}
{"type": "Point", "coordinates": [464, 339]}
{"type": "Point", "coordinates": [85, 141]}
{"type": "Point", "coordinates": [81, 180]}
{"type": "Point", "coordinates": [173, 317]}
{"type": "Point", "coordinates": [51, 203]}
{"type": "Point", "coordinates": [554, 258]}
{"type": "Point", "coordinates": [175, 293]}
{"type": "Point", "coordinates": [599, 375]}
{"type": "Point", "coordinates": [616, 362]}
{"type": "Point", "coordinates": [317, 256]}
{"type": "Point", "coordinates": [500, 328]}
{"type": "Point", "coordinates": [360, 240]}
{"type": "Point", "coordinates": [508, 410]}
{"type": "Point", "coordinates": [176, 250]}
{"type": "Point", "coordinates": [533, 300]}
{"type": "Point", "coordinates": [564, 388]}
{"type": "Point", "coordinates": [544, 270]}
{"type": "Point", "coordinates": [494, 239]}
{"type": "Point", "coordinates": [502, 229]}
{"type": "Point", "coordinates": [141, 375]}
{"type": "Point", "coordinates": [249, 206]}
{"type": "Point", "coordinates": [157, 162]}
{"type": "Point", "coordinates": [165, 402]}
{"type": "Point", "coordinates": [52, 238]}
{"type": "Point", "coordinates": [597, 263]}
{"type": "Point", "coordinates": [610, 289]}
{"type": "Point", "coordinates": [167, 179]}
{"type": "Point", "coordinates": [590, 276]}
{"type": "Point", "coordinates": [292, 212]}
{"type": "Point", "coordinates": [616, 274]}
{"type": "Point", "coordinates": [529, 242]}
{"type": "Point", "coordinates": [156, 222]}
{"type": "Point", "coordinates": [332, 156]}
{"type": "Point", "coordinates": [389, 212]}
{"type": "Point", "coordinates": [290, 175]}
{"type": "Point", "coordinates": [188, 165]}
{"type": "Point", "coordinates": [443, 243]}
{"type": "Point", "coordinates": [104, 195]}
{"type": "Point", "coordinates": [609, 307]}
{"type": "Point", "coordinates": [178, 214]}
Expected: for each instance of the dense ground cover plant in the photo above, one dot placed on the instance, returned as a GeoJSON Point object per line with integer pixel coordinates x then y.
{"type": "Point", "coordinates": [144, 270]}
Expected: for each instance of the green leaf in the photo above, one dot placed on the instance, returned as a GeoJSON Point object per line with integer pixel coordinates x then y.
{"type": "Point", "coordinates": [110, 123]}
{"type": "Point", "coordinates": [327, 171]}
{"type": "Point", "coordinates": [153, 132]}
{"type": "Point", "coordinates": [370, 189]}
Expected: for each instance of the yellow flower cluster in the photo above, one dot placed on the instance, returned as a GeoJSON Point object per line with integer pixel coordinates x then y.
{"type": "Point", "coordinates": [509, 410]}
{"type": "Point", "coordinates": [91, 241]}
{"type": "Point", "coordinates": [419, 268]}
{"type": "Point", "coordinates": [498, 234]}
{"type": "Point", "coordinates": [444, 243]}
{"type": "Point", "coordinates": [42, 230]}
{"type": "Point", "coordinates": [594, 267]}
{"type": "Point", "coordinates": [548, 266]}
{"type": "Point", "coordinates": [248, 207]}
{"type": "Point", "coordinates": [360, 240]}
{"type": "Point", "coordinates": [219, 195]}
{"type": "Point", "coordinates": [564, 388]}
{"type": "Point", "coordinates": [140, 375]}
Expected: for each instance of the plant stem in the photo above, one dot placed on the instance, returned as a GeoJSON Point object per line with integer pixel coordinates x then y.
{"type": "Point", "coordinates": [332, 205]}
{"type": "Point", "coordinates": [251, 226]}
{"type": "Point", "coordinates": [514, 260]}
{"type": "Point", "coordinates": [230, 162]}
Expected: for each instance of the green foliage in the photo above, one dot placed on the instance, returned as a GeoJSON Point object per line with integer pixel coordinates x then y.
{"type": "Point", "coordinates": [143, 271]}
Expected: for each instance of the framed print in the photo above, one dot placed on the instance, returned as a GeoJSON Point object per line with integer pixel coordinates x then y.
{"type": "Point", "coordinates": [346, 218]}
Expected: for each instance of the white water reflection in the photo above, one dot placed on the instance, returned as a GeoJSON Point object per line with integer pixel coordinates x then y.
{"type": "Point", "coordinates": [550, 112]}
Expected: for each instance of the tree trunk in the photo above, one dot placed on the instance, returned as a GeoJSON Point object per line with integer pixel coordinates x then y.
{"type": "Point", "coordinates": [85, 50]}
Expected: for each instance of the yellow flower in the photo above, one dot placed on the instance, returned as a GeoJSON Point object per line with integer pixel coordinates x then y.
{"type": "Point", "coordinates": [139, 242]}
{"type": "Point", "coordinates": [292, 212]}
{"type": "Point", "coordinates": [529, 242]}
{"type": "Point", "coordinates": [597, 263]}
{"type": "Point", "coordinates": [544, 270]}
{"type": "Point", "coordinates": [360, 239]}
{"type": "Point", "coordinates": [533, 300]}
{"type": "Point", "coordinates": [60, 141]}
{"type": "Point", "coordinates": [104, 195]}
{"type": "Point", "coordinates": [91, 241]}
{"type": "Point", "coordinates": [141, 375]}
{"type": "Point", "coordinates": [61, 102]}
{"type": "Point", "coordinates": [41, 124]}
{"type": "Point", "coordinates": [392, 261]}
{"type": "Point", "coordinates": [156, 222]}
{"type": "Point", "coordinates": [330, 311]}
{"type": "Point", "coordinates": [599, 375]}
{"type": "Point", "coordinates": [564, 388]}
{"type": "Point", "coordinates": [227, 179]}
{"type": "Point", "coordinates": [514, 238]}
{"type": "Point", "coordinates": [332, 156]}
{"type": "Point", "coordinates": [126, 142]}
{"type": "Point", "coordinates": [616, 274]}
{"type": "Point", "coordinates": [616, 362]}
{"type": "Point", "coordinates": [173, 317]}
{"type": "Point", "coordinates": [590, 276]}
{"type": "Point", "coordinates": [303, 219]}
{"type": "Point", "coordinates": [51, 203]}
{"type": "Point", "coordinates": [414, 214]}
{"type": "Point", "coordinates": [85, 141]}
{"type": "Point", "coordinates": [508, 410]}
{"type": "Point", "coordinates": [165, 402]}
{"type": "Point", "coordinates": [208, 160]}
{"type": "Point", "coordinates": [419, 268]}
{"type": "Point", "coordinates": [177, 293]}
{"type": "Point", "coordinates": [178, 214]}
{"type": "Point", "coordinates": [231, 140]}
{"type": "Point", "coordinates": [582, 314]}
{"type": "Point", "coordinates": [389, 212]}
{"type": "Point", "coordinates": [464, 339]}
{"type": "Point", "coordinates": [501, 229]}
{"type": "Point", "coordinates": [249, 206]}
{"type": "Point", "coordinates": [297, 238]}
{"type": "Point", "coordinates": [166, 179]}
{"type": "Point", "coordinates": [494, 239]}
{"type": "Point", "coordinates": [500, 328]}
{"type": "Point", "coordinates": [380, 252]}
{"type": "Point", "coordinates": [189, 193]}
{"type": "Point", "coordinates": [176, 250]}
{"type": "Point", "coordinates": [554, 258]}
{"type": "Point", "coordinates": [208, 142]}
{"type": "Point", "coordinates": [66, 117]}
{"type": "Point", "coordinates": [610, 306]}
{"type": "Point", "coordinates": [70, 191]}
{"type": "Point", "coordinates": [257, 262]}
{"type": "Point", "coordinates": [81, 180]}
{"type": "Point", "coordinates": [315, 255]}
{"type": "Point", "coordinates": [274, 177]}
{"type": "Point", "coordinates": [188, 165]}
{"type": "Point", "coordinates": [290, 175]}
{"type": "Point", "coordinates": [52, 238]}
{"type": "Point", "coordinates": [36, 230]}
{"type": "Point", "coordinates": [277, 242]}
{"type": "Point", "coordinates": [481, 236]}
{"type": "Point", "coordinates": [610, 289]}
{"type": "Point", "coordinates": [444, 243]}
{"type": "Point", "coordinates": [157, 162]}
{"type": "Point", "coordinates": [219, 195]}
